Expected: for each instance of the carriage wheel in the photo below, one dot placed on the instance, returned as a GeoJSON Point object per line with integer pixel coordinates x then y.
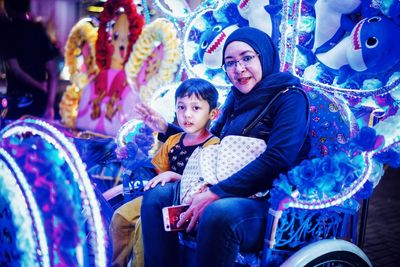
{"type": "Point", "coordinates": [329, 253]}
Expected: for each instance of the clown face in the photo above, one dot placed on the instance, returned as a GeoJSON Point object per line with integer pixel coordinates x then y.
{"type": "Point", "coordinates": [119, 41]}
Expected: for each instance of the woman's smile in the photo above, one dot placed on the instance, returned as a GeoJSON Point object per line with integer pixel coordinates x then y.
{"type": "Point", "coordinates": [243, 80]}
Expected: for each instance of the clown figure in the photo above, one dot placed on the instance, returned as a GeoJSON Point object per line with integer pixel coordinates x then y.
{"type": "Point", "coordinates": [107, 101]}
{"type": "Point", "coordinates": [119, 41]}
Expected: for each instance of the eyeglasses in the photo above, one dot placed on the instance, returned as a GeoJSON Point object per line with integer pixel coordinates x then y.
{"type": "Point", "coordinates": [244, 62]}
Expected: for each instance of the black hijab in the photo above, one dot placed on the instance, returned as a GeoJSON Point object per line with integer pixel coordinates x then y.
{"type": "Point", "coordinates": [272, 80]}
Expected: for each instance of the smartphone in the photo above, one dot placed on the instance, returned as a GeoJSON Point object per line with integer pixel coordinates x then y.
{"type": "Point", "coordinates": [172, 215]}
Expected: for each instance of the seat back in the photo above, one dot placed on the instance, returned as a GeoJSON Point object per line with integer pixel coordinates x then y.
{"type": "Point", "coordinates": [331, 123]}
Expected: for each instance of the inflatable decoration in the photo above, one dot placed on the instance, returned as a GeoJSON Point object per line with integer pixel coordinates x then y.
{"type": "Point", "coordinates": [262, 14]}
{"type": "Point", "coordinates": [56, 217]}
{"type": "Point", "coordinates": [106, 102]}
{"type": "Point", "coordinates": [155, 58]}
{"type": "Point", "coordinates": [205, 34]}
{"type": "Point", "coordinates": [135, 148]}
{"type": "Point", "coordinates": [350, 49]}
{"type": "Point", "coordinates": [130, 130]}
{"type": "Point", "coordinates": [80, 60]}
{"type": "Point", "coordinates": [163, 101]}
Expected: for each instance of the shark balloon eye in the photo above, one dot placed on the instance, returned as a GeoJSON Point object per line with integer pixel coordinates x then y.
{"type": "Point", "coordinates": [217, 28]}
{"type": "Point", "coordinates": [374, 19]}
{"type": "Point", "coordinates": [371, 42]}
{"type": "Point", "coordinates": [204, 44]}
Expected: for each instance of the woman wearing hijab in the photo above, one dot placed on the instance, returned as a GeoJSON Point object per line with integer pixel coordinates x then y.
{"type": "Point", "coordinates": [224, 218]}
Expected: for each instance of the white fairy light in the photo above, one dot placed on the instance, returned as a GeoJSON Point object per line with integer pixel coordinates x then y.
{"type": "Point", "coordinates": [78, 169]}
{"type": "Point", "coordinates": [21, 189]}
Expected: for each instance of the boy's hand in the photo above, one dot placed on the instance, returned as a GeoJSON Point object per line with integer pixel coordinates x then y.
{"type": "Point", "coordinates": [162, 178]}
{"type": "Point", "coordinates": [199, 203]}
{"type": "Point", "coordinates": [152, 119]}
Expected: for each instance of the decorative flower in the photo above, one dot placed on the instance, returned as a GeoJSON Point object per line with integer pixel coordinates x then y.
{"type": "Point", "coordinates": [324, 178]}
{"type": "Point", "coordinates": [318, 178]}
{"type": "Point", "coordinates": [69, 105]}
{"type": "Point", "coordinates": [389, 128]}
{"type": "Point", "coordinates": [371, 84]}
{"type": "Point", "coordinates": [329, 165]}
{"type": "Point", "coordinates": [312, 72]}
{"type": "Point", "coordinates": [390, 156]}
{"type": "Point", "coordinates": [366, 191]}
{"type": "Point", "coordinates": [395, 93]}
{"type": "Point", "coordinates": [307, 24]}
{"type": "Point", "coordinates": [281, 188]}
{"type": "Point", "coordinates": [83, 33]}
{"type": "Point", "coordinates": [368, 140]}
{"type": "Point", "coordinates": [377, 172]}
{"type": "Point", "coordinates": [155, 56]}
{"type": "Point", "coordinates": [82, 38]}
{"type": "Point", "coordinates": [304, 175]}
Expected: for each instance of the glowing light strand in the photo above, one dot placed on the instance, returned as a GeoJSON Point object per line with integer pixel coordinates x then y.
{"type": "Point", "coordinates": [67, 149]}
{"type": "Point", "coordinates": [146, 11]}
{"type": "Point", "coordinates": [29, 205]}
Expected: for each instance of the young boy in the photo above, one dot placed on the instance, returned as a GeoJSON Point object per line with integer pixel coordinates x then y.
{"type": "Point", "coordinates": [196, 105]}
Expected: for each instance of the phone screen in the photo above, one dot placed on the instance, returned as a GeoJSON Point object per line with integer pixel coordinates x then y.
{"type": "Point", "coordinates": [172, 215]}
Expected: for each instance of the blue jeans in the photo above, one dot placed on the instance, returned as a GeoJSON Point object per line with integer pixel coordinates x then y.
{"type": "Point", "coordinates": [226, 227]}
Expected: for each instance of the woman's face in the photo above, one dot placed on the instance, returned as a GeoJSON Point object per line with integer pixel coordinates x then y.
{"type": "Point", "coordinates": [242, 65]}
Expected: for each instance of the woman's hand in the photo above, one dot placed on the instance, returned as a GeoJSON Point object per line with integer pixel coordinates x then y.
{"type": "Point", "coordinates": [152, 118]}
{"type": "Point", "coordinates": [199, 203]}
{"type": "Point", "coordinates": [162, 178]}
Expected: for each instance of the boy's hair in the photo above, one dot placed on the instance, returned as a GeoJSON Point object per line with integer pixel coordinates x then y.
{"type": "Point", "coordinates": [201, 88]}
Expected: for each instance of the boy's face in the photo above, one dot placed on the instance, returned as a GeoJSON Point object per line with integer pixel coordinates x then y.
{"type": "Point", "coordinates": [193, 113]}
